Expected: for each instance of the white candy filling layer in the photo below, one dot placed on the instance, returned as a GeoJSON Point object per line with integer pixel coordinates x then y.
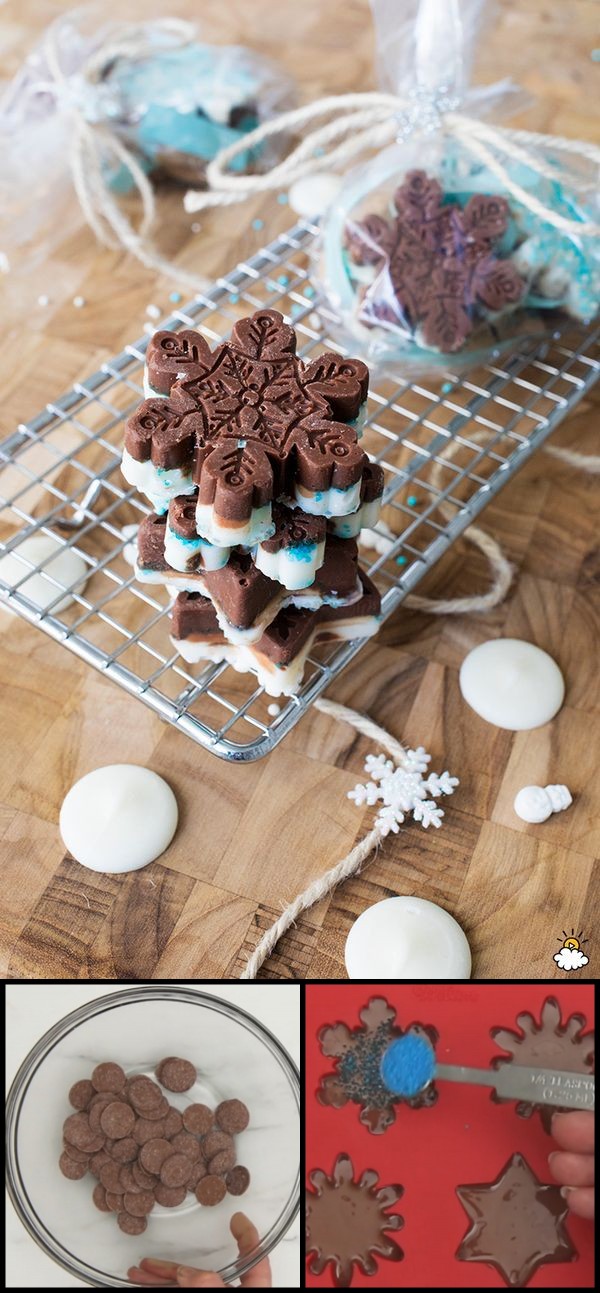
{"type": "Point", "coordinates": [277, 680]}
{"type": "Point", "coordinates": [182, 553]}
{"type": "Point", "coordinates": [225, 533]}
{"type": "Point", "coordinates": [294, 567]}
{"type": "Point", "coordinates": [347, 527]}
{"type": "Point", "coordinates": [159, 484]}
{"type": "Point", "coordinates": [328, 502]}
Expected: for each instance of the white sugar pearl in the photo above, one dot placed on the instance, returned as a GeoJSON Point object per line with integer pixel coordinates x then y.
{"type": "Point", "coordinates": [313, 194]}
{"type": "Point", "coordinates": [65, 566]}
{"type": "Point", "coordinates": [407, 938]}
{"type": "Point", "coordinates": [153, 311]}
{"type": "Point", "coordinates": [78, 302]}
{"type": "Point", "coordinates": [273, 710]}
{"type": "Point", "coordinates": [43, 300]}
{"type": "Point", "coordinates": [118, 818]}
{"type": "Point", "coordinates": [513, 684]}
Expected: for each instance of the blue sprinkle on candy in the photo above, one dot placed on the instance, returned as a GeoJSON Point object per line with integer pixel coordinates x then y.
{"type": "Point", "coordinates": [175, 297]}
{"type": "Point", "coordinates": [282, 199]}
{"type": "Point", "coordinates": [408, 1065]}
{"type": "Point", "coordinates": [257, 224]}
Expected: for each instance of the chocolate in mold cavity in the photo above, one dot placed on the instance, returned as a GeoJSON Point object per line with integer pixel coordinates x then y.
{"type": "Point", "coordinates": [171, 354]}
{"type": "Point", "coordinates": [549, 1044]}
{"type": "Point", "coordinates": [347, 1221]}
{"type": "Point", "coordinates": [358, 1053]}
{"type": "Point", "coordinates": [517, 1223]}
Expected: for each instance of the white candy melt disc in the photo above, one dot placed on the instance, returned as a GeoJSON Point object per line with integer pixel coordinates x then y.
{"type": "Point", "coordinates": [407, 938]}
{"type": "Point", "coordinates": [313, 194]}
{"type": "Point", "coordinates": [66, 567]}
{"type": "Point", "coordinates": [118, 818]}
{"type": "Point", "coordinates": [513, 684]}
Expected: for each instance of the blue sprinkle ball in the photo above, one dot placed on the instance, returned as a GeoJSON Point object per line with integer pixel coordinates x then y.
{"type": "Point", "coordinates": [408, 1065]}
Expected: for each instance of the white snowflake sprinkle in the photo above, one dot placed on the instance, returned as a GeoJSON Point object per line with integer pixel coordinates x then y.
{"type": "Point", "coordinates": [401, 789]}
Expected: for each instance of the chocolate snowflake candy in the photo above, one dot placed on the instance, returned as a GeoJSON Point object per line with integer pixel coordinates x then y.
{"type": "Point", "coordinates": [551, 1044]}
{"type": "Point", "coordinates": [367, 513]}
{"type": "Point", "coordinates": [358, 1053]}
{"type": "Point", "coordinates": [295, 550]}
{"type": "Point", "coordinates": [185, 549]}
{"type": "Point", "coordinates": [160, 441]}
{"type": "Point", "coordinates": [174, 354]}
{"type": "Point", "coordinates": [348, 1220]}
{"type": "Point", "coordinates": [267, 425]}
{"type": "Point", "coordinates": [436, 270]}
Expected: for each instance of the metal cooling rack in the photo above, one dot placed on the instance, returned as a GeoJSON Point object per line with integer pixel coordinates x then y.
{"type": "Point", "coordinates": [447, 448]}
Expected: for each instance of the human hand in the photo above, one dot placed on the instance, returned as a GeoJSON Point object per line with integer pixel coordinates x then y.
{"type": "Point", "coordinates": [573, 1164]}
{"type": "Point", "coordinates": [165, 1274]}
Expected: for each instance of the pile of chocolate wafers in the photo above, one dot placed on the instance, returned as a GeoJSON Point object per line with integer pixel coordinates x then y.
{"type": "Point", "coordinates": [252, 463]}
{"type": "Point", "coordinates": [143, 1150]}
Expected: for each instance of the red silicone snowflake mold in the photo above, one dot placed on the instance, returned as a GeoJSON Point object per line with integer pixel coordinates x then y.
{"type": "Point", "coordinates": [549, 1044]}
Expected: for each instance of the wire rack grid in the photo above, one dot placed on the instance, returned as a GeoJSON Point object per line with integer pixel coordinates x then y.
{"type": "Point", "coordinates": [447, 448]}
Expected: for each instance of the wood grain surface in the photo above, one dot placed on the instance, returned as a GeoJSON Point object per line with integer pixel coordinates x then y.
{"type": "Point", "coordinates": [250, 836]}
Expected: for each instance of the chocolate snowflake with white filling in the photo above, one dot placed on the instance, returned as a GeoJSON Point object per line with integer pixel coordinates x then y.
{"type": "Point", "coordinates": [437, 267]}
{"type": "Point", "coordinates": [251, 408]}
{"type": "Point", "coordinates": [550, 1045]}
{"type": "Point", "coordinates": [358, 1053]}
{"type": "Point", "coordinates": [347, 1220]}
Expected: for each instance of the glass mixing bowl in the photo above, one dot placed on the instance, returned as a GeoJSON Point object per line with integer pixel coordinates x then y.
{"type": "Point", "coordinates": [235, 1057]}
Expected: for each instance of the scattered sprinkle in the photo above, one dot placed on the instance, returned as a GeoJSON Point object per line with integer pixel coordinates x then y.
{"type": "Point", "coordinates": [78, 302]}
{"type": "Point", "coordinates": [319, 152]}
{"type": "Point", "coordinates": [234, 297]}
{"type": "Point", "coordinates": [446, 388]}
{"type": "Point", "coordinates": [412, 500]}
{"type": "Point", "coordinates": [282, 199]}
{"type": "Point", "coordinates": [314, 320]}
{"type": "Point", "coordinates": [401, 561]}
{"type": "Point", "coordinates": [43, 300]}
{"type": "Point", "coordinates": [309, 292]}
{"type": "Point", "coordinates": [257, 224]}
{"type": "Point", "coordinates": [273, 710]}
{"type": "Point", "coordinates": [196, 227]}
{"type": "Point", "coordinates": [148, 327]}
{"type": "Point", "coordinates": [595, 56]}
{"type": "Point", "coordinates": [153, 311]}
{"type": "Point", "coordinates": [175, 297]}
{"type": "Point", "coordinates": [296, 310]}
{"type": "Point", "coordinates": [283, 279]}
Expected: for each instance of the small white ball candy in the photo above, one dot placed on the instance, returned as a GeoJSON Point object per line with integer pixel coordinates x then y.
{"type": "Point", "coordinates": [537, 803]}
{"type": "Point", "coordinates": [118, 818]}
{"type": "Point", "coordinates": [64, 565]}
{"type": "Point", "coordinates": [313, 194]}
{"type": "Point", "coordinates": [407, 938]}
{"type": "Point", "coordinates": [512, 684]}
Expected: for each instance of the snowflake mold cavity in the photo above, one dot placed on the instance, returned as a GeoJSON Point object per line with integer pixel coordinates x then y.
{"type": "Point", "coordinates": [549, 1044]}
{"type": "Point", "coordinates": [358, 1054]}
{"type": "Point", "coordinates": [347, 1220]}
{"type": "Point", "coordinates": [517, 1223]}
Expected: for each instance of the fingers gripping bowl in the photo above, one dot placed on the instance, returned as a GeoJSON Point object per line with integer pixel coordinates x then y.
{"type": "Point", "coordinates": [234, 1055]}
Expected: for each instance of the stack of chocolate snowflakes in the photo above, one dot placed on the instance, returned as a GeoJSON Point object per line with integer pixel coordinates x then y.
{"type": "Point", "coordinates": [252, 463]}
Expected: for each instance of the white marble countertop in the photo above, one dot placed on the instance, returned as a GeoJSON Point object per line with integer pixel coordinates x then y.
{"type": "Point", "coordinates": [33, 1008]}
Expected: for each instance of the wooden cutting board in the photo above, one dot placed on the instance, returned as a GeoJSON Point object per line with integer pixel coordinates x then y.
{"type": "Point", "coordinates": [251, 836]}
